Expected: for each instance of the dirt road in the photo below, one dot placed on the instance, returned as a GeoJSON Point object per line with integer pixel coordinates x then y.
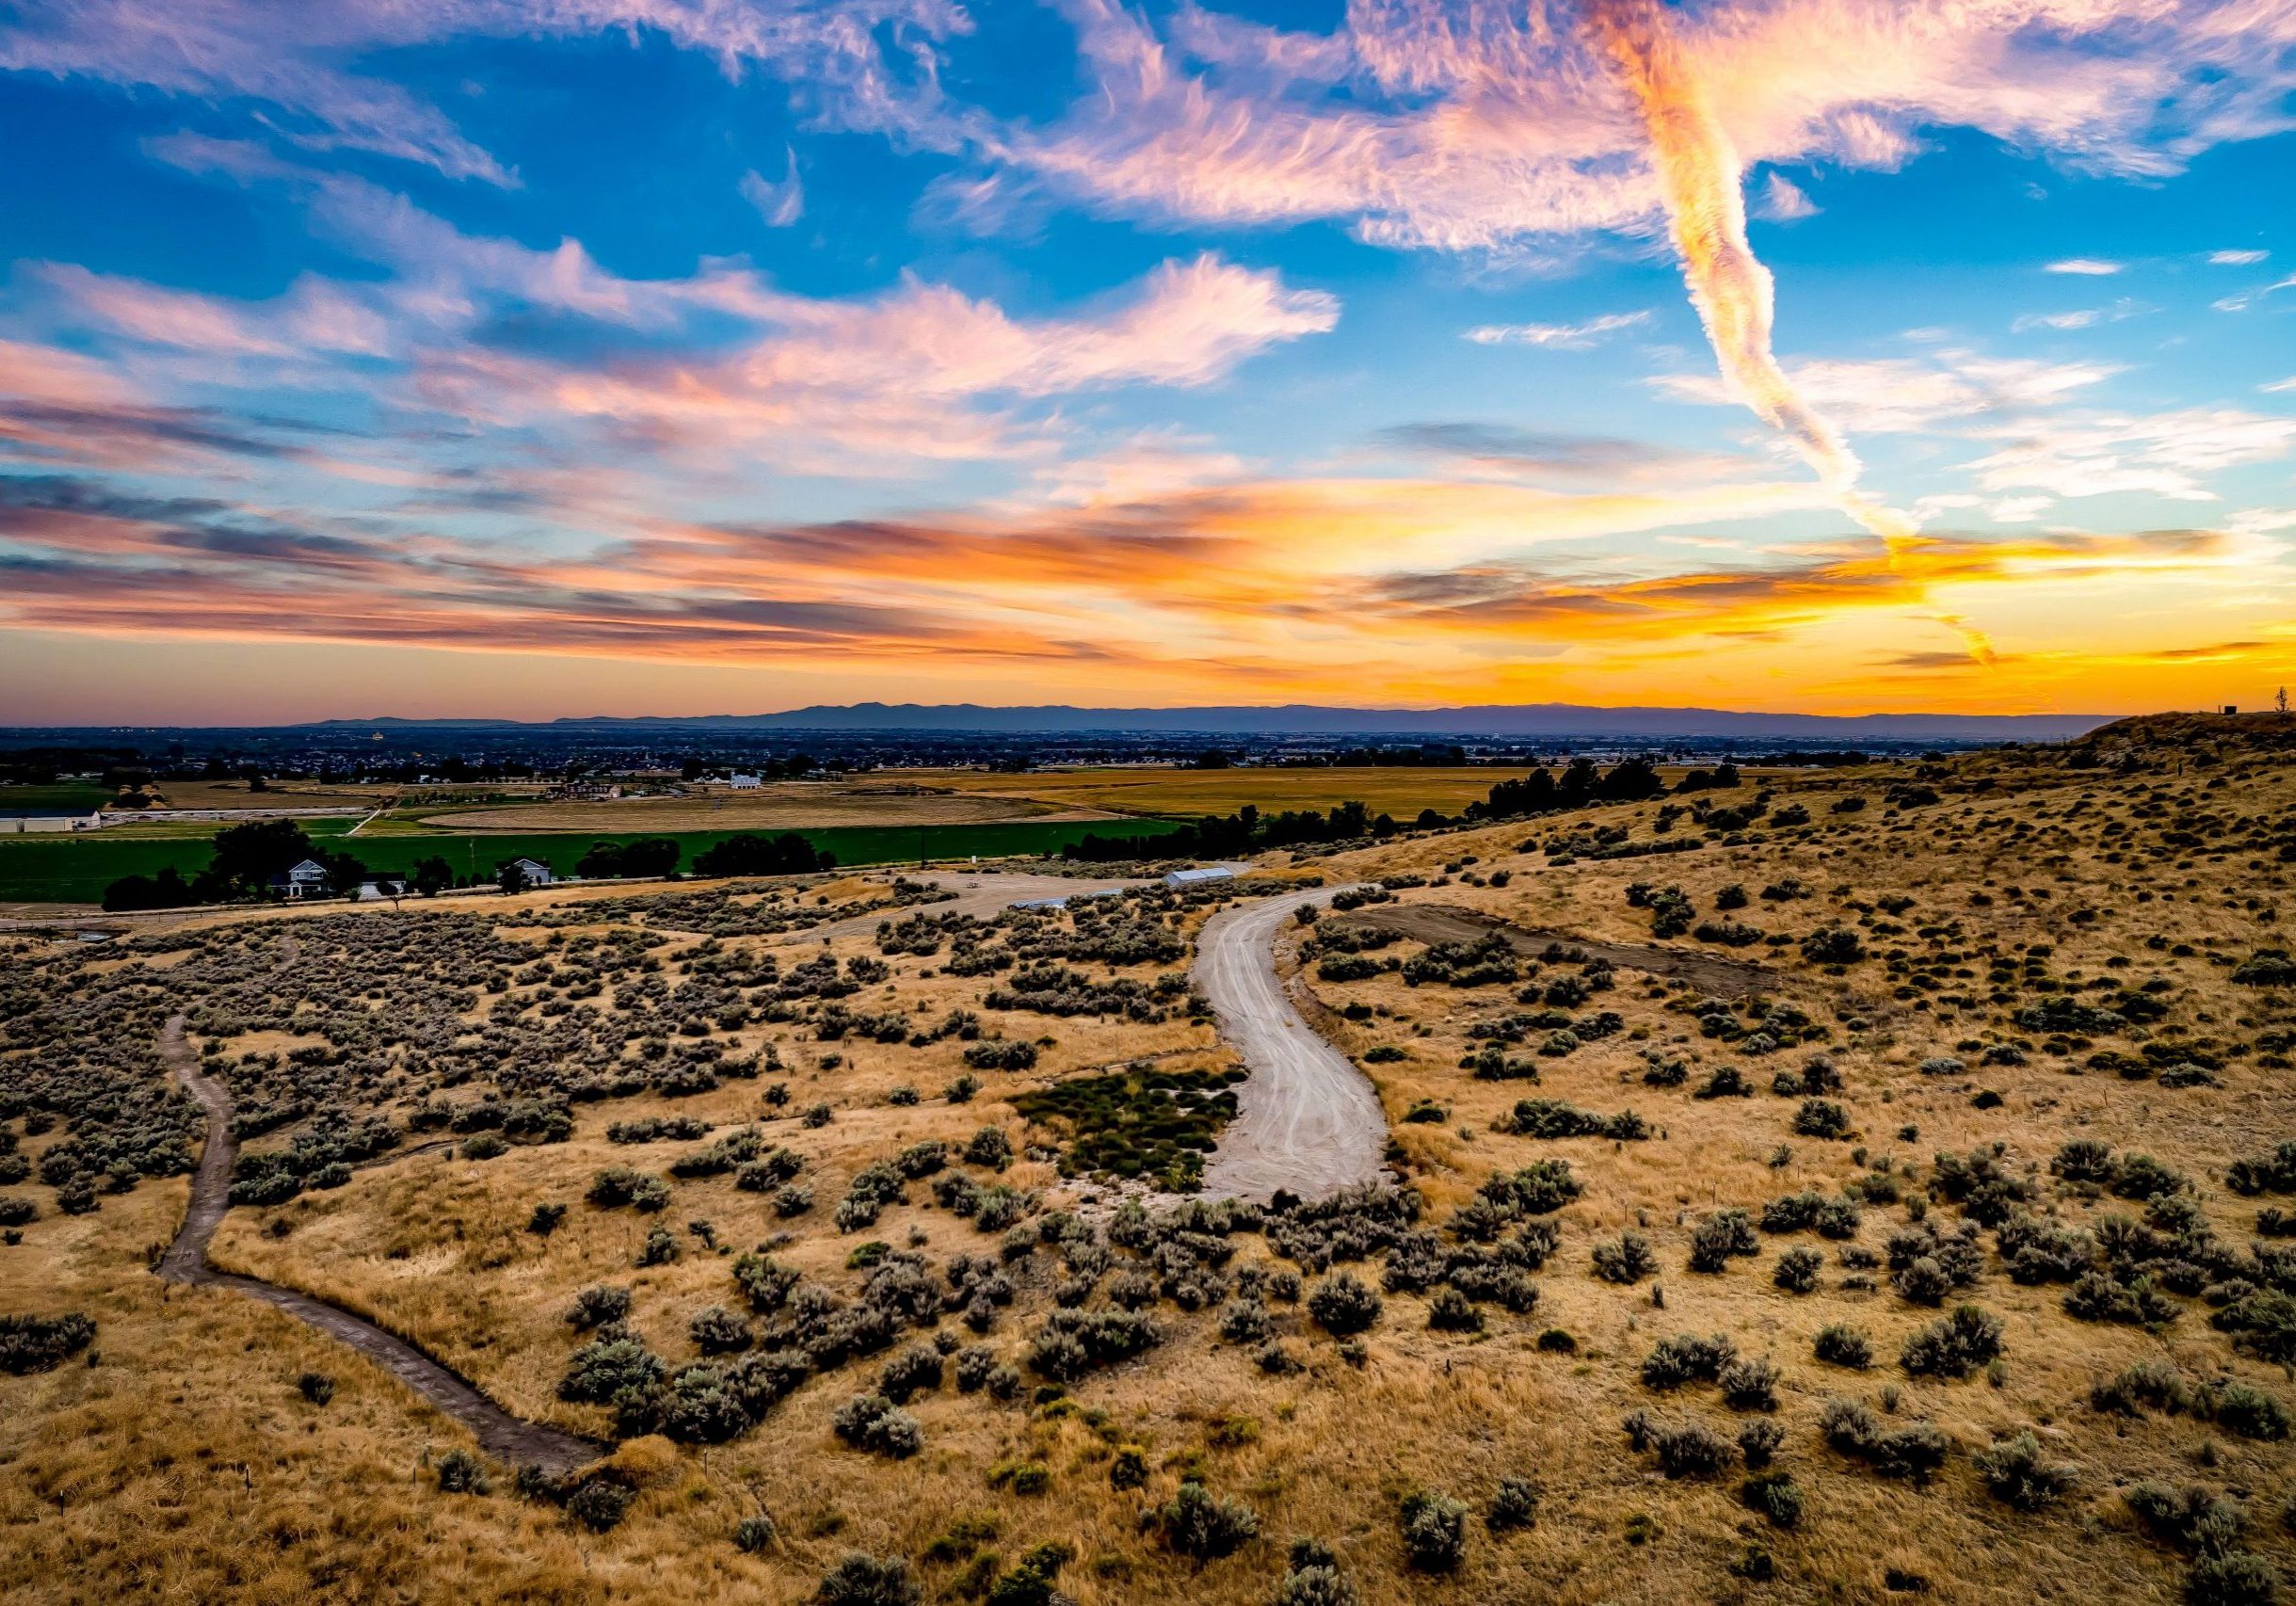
{"type": "Point", "coordinates": [1308, 1120]}
{"type": "Point", "coordinates": [509, 1439]}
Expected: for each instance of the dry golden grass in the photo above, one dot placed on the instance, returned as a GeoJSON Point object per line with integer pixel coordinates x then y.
{"type": "Point", "coordinates": [185, 1466]}
{"type": "Point", "coordinates": [1192, 791]}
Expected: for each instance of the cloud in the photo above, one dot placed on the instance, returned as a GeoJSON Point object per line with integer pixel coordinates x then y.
{"type": "Point", "coordinates": [1783, 200]}
{"type": "Point", "coordinates": [2164, 454]}
{"type": "Point", "coordinates": [780, 201]}
{"type": "Point", "coordinates": [1566, 337]}
{"type": "Point", "coordinates": [1530, 454]}
{"type": "Point", "coordinates": [300, 65]}
{"type": "Point", "coordinates": [2236, 259]}
{"type": "Point", "coordinates": [2084, 266]}
{"type": "Point", "coordinates": [1900, 395]}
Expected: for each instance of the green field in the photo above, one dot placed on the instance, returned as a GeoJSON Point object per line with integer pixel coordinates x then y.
{"type": "Point", "coordinates": [71, 797]}
{"type": "Point", "coordinates": [76, 869]}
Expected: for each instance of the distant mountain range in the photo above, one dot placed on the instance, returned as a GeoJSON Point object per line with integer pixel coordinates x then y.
{"type": "Point", "coordinates": [1515, 720]}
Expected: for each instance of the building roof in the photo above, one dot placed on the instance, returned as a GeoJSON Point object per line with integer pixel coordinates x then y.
{"type": "Point", "coordinates": [1209, 873]}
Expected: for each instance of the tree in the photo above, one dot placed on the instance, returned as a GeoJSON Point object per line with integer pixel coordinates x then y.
{"type": "Point", "coordinates": [432, 876]}
{"type": "Point", "coordinates": [747, 854]}
{"type": "Point", "coordinates": [649, 856]}
{"type": "Point", "coordinates": [247, 857]}
{"type": "Point", "coordinates": [164, 891]}
{"type": "Point", "coordinates": [344, 872]}
{"type": "Point", "coordinates": [2280, 699]}
{"type": "Point", "coordinates": [510, 876]}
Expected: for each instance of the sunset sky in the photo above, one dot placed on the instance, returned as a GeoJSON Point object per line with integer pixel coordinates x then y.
{"type": "Point", "coordinates": [556, 357]}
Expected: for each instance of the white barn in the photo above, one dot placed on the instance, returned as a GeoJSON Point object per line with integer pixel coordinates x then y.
{"type": "Point", "coordinates": [1197, 877]}
{"type": "Point", "coordinates": [534, 872]}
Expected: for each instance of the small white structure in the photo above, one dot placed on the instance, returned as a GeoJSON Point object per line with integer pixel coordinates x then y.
{"type": "Point", "coordinates": [745, 782]}
{"type": "Point", "coordinates": [1197, 877]}
{"type": "Point", "coordinates": [1041, 904]}
{"type": "Point", "coordinates": [381, 887]}
{"type": "Point", "coordinates": [307, 880]}
{"type": "Point", "coordinates": [534, 872]}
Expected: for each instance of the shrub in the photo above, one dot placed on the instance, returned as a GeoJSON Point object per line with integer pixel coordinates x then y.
{"type": "Point", "coordinates": [1686, 1359]}
{"type": "Point", "coordinates": [911, 1371]}
{"type": "Point", "coordinates": [1797, 1270]}
{"type": "Point", "coordinates": [1750, 1385]}
{"type": "Point", "coordinates": [1914, 1451]}
{"type": "Point", "coordinates": [2252, 1413]}
{"type": "Point", "coordinates": [718, 1331]}
{"type": "Point", "coordinates": [1192, 1523]}
{"type": "Point", "coordinates": [2149, 1383]}
{"type": "Point", "coordinates": [2013, 1470]}
{"type": "Point", "coordinates": [597, 1305]}
{"type": "Point", "coordinates": [1451, 1312]}
{"type": "Point", "coordinates": [1343, 1304]}
{"type": "Point", "coordinates": [1714, 1241]}
{"type": "Point", "coordinates": [751, 1535]}
{"type": "Point", "coordinates": [1774, 1495]}
{"type": "Point", "coordinates": [859, 1579]}
{"type": "Point", "coordinates": [1838, 1344]}
{"type": "Point", "coordinates": [1758, 1441]}
{"type": "Point", "coordinates": [1515, 1505]}
{"type": "Point", "coordinates": [1820, 1118]}
{"type": "Point", "coordinates": [2233, 1578]}
{"type": "Point", "coordinates": [1954, 1345]}
{"type": "Point", "coordinates": [42, 1344]}
{"type": "Point", "coordinates": [600, 1504]}
{"type": "Point", "coordinates": [871, 1422]}
{"type": "Point", "coordinates": [2190, 1518]}
{"type": "Point", "coordinates": [315, 1386]}
{"type": "Point", "coordinates": [1691, 1450]}
{"type": "Point", "coordinates": [609, 1365]}
{"type": "Point", "coordinates": [1433, 1531]}
{"type": "Point", "coordinates": [461, 1472]}
{"type": "Point", "coordinates": [1625, 1259]}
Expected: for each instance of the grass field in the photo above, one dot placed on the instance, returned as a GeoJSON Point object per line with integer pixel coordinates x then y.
{"type": "Point", "coordinates": [68, 797]}
{"type": "Point", "coordinates": [1191, 792]}
{"type": "Point", "coordinates": [76, 869]}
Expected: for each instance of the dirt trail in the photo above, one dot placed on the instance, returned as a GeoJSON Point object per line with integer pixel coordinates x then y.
{"type": "Point", "coordinates": [506, 1437]}
{"type": "Point", "coordinates": [1448, 923]}
{"type": "Point", "coordinates": [1308, 1121]}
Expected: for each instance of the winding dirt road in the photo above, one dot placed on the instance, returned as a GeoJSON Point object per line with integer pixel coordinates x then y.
{"type": "Point", "coordinates": [509, 1439]}
{"type": "Point", "coordinates": [1308, 1121]}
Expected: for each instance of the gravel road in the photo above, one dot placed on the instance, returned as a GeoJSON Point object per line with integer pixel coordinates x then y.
{"type": "Point", "coordinates": [1308, 1120]}
{"type": "Point", "coordinates": [506, 1437]}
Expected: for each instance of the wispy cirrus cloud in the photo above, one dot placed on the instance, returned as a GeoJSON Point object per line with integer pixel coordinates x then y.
{"type": "Point", "coordinates": [1564, 337]}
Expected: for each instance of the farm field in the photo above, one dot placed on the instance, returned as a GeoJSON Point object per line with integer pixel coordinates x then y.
{"type": "Point", "coordinates": [1190, 793]}
{"type": "Point", "coordinates": [792, 806]}
{"type": "Point", "coordinates": [66, 797]}
{"type": "Point", "coordinates": [76, 869]}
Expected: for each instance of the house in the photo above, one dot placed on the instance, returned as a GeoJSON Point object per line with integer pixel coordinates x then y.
{"type": "Point", "coordinates": [745, 782]}
{"type": "Point", "coordinates": [380, 888]}
{"type": "Point", "coordinates": [307, 880]}
{"type": "Point", "coordinates": [534, 872]}
{"type": "Point", "coordinates": [1197, 877]}
{"type": "Point", "coordinates": [590, 789]}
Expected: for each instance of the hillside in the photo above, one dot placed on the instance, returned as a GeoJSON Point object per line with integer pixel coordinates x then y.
{"type": "Point", "coordinates": [1872, 1186]}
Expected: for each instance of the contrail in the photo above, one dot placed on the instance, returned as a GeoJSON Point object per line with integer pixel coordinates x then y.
{"type": "Point", "coordinates": [1704, 183]}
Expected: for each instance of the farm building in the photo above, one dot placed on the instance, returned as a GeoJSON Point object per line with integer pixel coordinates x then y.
{"type": "Point", "coordinates": [745, 782]}
{"type": "Point", "coordinates": [534, 872]}
{"type": "Point", "coordinates": [1197, 877]}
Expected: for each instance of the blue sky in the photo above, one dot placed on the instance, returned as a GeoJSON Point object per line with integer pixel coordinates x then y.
{"type": "Point", "coordinates": [671, 356]}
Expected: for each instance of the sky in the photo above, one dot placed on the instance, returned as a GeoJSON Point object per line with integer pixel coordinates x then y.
{"type": "Point", "coordinates": [536, 358]}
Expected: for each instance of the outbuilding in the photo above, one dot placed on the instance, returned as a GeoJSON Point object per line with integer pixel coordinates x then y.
{"type": "Point", "coordinates": [1197, 877]}
{"type": "Point", "coordinates": [534, 872]}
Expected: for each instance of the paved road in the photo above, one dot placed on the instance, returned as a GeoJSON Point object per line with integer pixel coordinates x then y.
{"type": "Point", "coordinates": [1310, 1121]}
{"type": "Point", "coordinates": [507, 1437]}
